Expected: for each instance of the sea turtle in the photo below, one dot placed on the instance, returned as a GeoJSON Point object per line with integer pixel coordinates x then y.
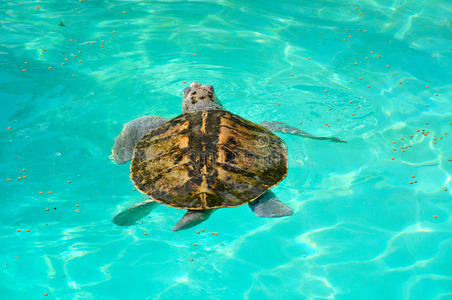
{"type": "Point", "coordinates": [206, 158]}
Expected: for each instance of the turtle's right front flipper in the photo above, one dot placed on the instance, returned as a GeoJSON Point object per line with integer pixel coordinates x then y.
{"type": "Point", "coordinates": [282, 127]}
{"type": "Point", "coordinates": [192, 218]}
{"type": "Point", "coordinates": [134, 213]}
{"type": "Point", "coordinates": [131, 133]}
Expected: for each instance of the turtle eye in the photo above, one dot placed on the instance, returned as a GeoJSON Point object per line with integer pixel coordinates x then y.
{"type": "Point", "coordinates": [186, 91]}
{"type": "Point", "coordinates": [210, 87]}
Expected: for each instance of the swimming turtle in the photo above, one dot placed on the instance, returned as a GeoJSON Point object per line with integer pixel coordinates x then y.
{"type": "Point", "coordinates": [206, 158]}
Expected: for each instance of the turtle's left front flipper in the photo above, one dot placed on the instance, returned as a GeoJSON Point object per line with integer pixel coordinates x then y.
{"type": "Point", "coordinates": [282, 127]}
{"type": "Point", "coordinates": [269, 206]}
{"type": "Point", "coordinates": [134, 213]}
{"type": "Point", "coordinates": [131, 133]}
{"type": "Point", "coordinates": [192, 218]}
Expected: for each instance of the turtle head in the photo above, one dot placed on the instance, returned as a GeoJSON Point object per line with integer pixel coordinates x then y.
{"type": "Point", "coordinates": [197, 97]}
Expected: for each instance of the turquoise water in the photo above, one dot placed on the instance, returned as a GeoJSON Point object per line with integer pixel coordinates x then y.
{"type": "Point", "coordinates": [360, 229]}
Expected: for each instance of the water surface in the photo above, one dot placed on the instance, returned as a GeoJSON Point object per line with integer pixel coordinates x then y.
{"type": "Point", "coordinates": [372, 217]}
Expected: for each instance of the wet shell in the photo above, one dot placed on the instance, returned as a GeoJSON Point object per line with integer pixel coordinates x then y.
{"type": "Point", "coordinates": [208, 159]}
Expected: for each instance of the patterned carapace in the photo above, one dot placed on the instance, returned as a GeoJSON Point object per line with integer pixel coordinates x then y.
{"type": "Point", "coordinates": [208, 159]}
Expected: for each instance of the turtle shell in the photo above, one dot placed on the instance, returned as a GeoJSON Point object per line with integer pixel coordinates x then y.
{"type": "Point", "coordinates": [208, 159]}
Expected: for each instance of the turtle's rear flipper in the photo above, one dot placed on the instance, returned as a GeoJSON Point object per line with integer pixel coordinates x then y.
{"type": "Point", "coordinates": [134, 213]}
{"type": "Point", "coordinates": [269, 206]}
{"type": "Point", "coordinates": [192, 218]}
